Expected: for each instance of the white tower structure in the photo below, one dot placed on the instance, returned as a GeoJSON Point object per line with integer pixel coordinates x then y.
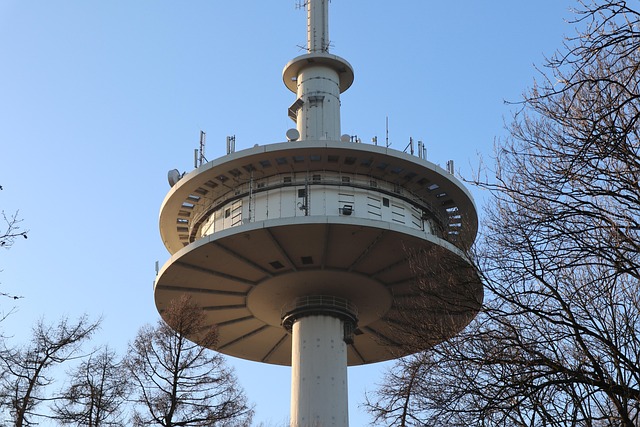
{"type": "Point", "coordinates": [298, 250]}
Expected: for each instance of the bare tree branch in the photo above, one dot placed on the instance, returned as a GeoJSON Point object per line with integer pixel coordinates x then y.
{"type": "Point", "coordinates": [179, 383]}
{"type": "Point", "coordinates": [558, 340]}
{"type": "Point", "coordinates": [26, 369]}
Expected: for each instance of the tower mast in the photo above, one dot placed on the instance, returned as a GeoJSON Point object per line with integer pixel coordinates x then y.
{"type": "Point", "coordinates": [317, 78]}
{"type": "Point", "coordinates": [317, 26]}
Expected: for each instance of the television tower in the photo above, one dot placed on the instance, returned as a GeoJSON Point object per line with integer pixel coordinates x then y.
{"type": "Point", "coordinates": [298, 250]}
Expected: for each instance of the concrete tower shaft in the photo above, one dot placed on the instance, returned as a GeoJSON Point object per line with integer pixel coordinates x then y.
{"type": "Point", "coordinates": [317, 78]}
{"type": "Point", "coordinates": [318, 343]}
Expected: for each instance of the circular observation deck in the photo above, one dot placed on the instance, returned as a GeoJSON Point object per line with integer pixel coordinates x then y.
{"type": "Point", "coordinates": [254, 231]}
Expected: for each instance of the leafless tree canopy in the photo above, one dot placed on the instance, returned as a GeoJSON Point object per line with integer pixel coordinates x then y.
{"type": "Point", "coordinates": [558, 340]}
{"type": "Point", "coordinates": [96, 393]}
{"type": "Point", "coordinates": [26, 370]}
{"type": "Point", "coordinates": [164, 379]}
{"type": "Point", "coordinates": [179, 383]}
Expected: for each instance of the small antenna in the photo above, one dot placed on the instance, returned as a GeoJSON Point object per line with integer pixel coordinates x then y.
{"type": "Point", "coordinates": [231, 144]}
{"type": "Point", "coordinates": [387, 131]}
{"type": "Point", "coordinates": [450, 167]}
{"type": "Point", "coordinates": [203, 140]}
{"type": "Point", "coordinates": [410, 146]}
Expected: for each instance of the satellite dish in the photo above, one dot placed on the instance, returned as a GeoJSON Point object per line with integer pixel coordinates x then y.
{"type": "Point", "coordinates": [173, 176]}
{"type": "Point", "coordinates": [345, 138]}
{"type": "Point", "coordinates": [293, 135]}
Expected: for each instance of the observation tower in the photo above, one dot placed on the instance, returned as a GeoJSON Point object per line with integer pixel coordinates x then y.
{"type": "Point", "coordinates": [299, 250]}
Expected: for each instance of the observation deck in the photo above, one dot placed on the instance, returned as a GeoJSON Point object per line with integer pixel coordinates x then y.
{"type": "Point", "coordinates": [255, 230]}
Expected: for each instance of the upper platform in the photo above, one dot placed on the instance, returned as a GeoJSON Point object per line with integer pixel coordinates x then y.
{"type": "Point", "coordinates": [295, 66]}
{"type": "Point", "coordinates": [421, 182]}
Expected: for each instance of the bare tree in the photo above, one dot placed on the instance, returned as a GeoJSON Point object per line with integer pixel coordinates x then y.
{"type": "Point", "coordinates": [397, 402]}
{"type": "Point", "coordinates": [9, 231]}
{"type": "Point", "coordinates": [558, 340]}
{"type": "Point", "coordinates": [97, 392]}
{"type": "Point", "coordinates": [27, 369]}
{"type": "Point", "coordinates": [179, 383]}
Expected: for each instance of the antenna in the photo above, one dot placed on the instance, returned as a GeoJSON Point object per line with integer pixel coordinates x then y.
{"type": "Point", "coordinates": [410, 145]}
{"type": "Point", "coordinates": [231, 144]}
{"type": "Point", "coordinates": [387, 131]}
{"type": "Point", "coordinates": [201, 158]}
{"type": "Point", "coordinates": [450, 167]}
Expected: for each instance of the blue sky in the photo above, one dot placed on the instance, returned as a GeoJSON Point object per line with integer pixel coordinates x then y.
{"type": "Point", "coordinates": [99, 99]}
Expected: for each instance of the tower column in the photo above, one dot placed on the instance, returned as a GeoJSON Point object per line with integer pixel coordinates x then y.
{"type": "Point", "coordinates": [319, 115]}
{"type": "Point", "coordinates": [319, 373]}
{"type": "Point", "coordinates": [321, 327]}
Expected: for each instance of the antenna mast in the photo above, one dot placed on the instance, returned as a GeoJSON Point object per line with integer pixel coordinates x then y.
{"type": "Point", "coordinates": [203, 141]}
{"type": "Point", "coordinates": [317, 26]}
{"type": "Point", "coordinates": [317, 78]}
